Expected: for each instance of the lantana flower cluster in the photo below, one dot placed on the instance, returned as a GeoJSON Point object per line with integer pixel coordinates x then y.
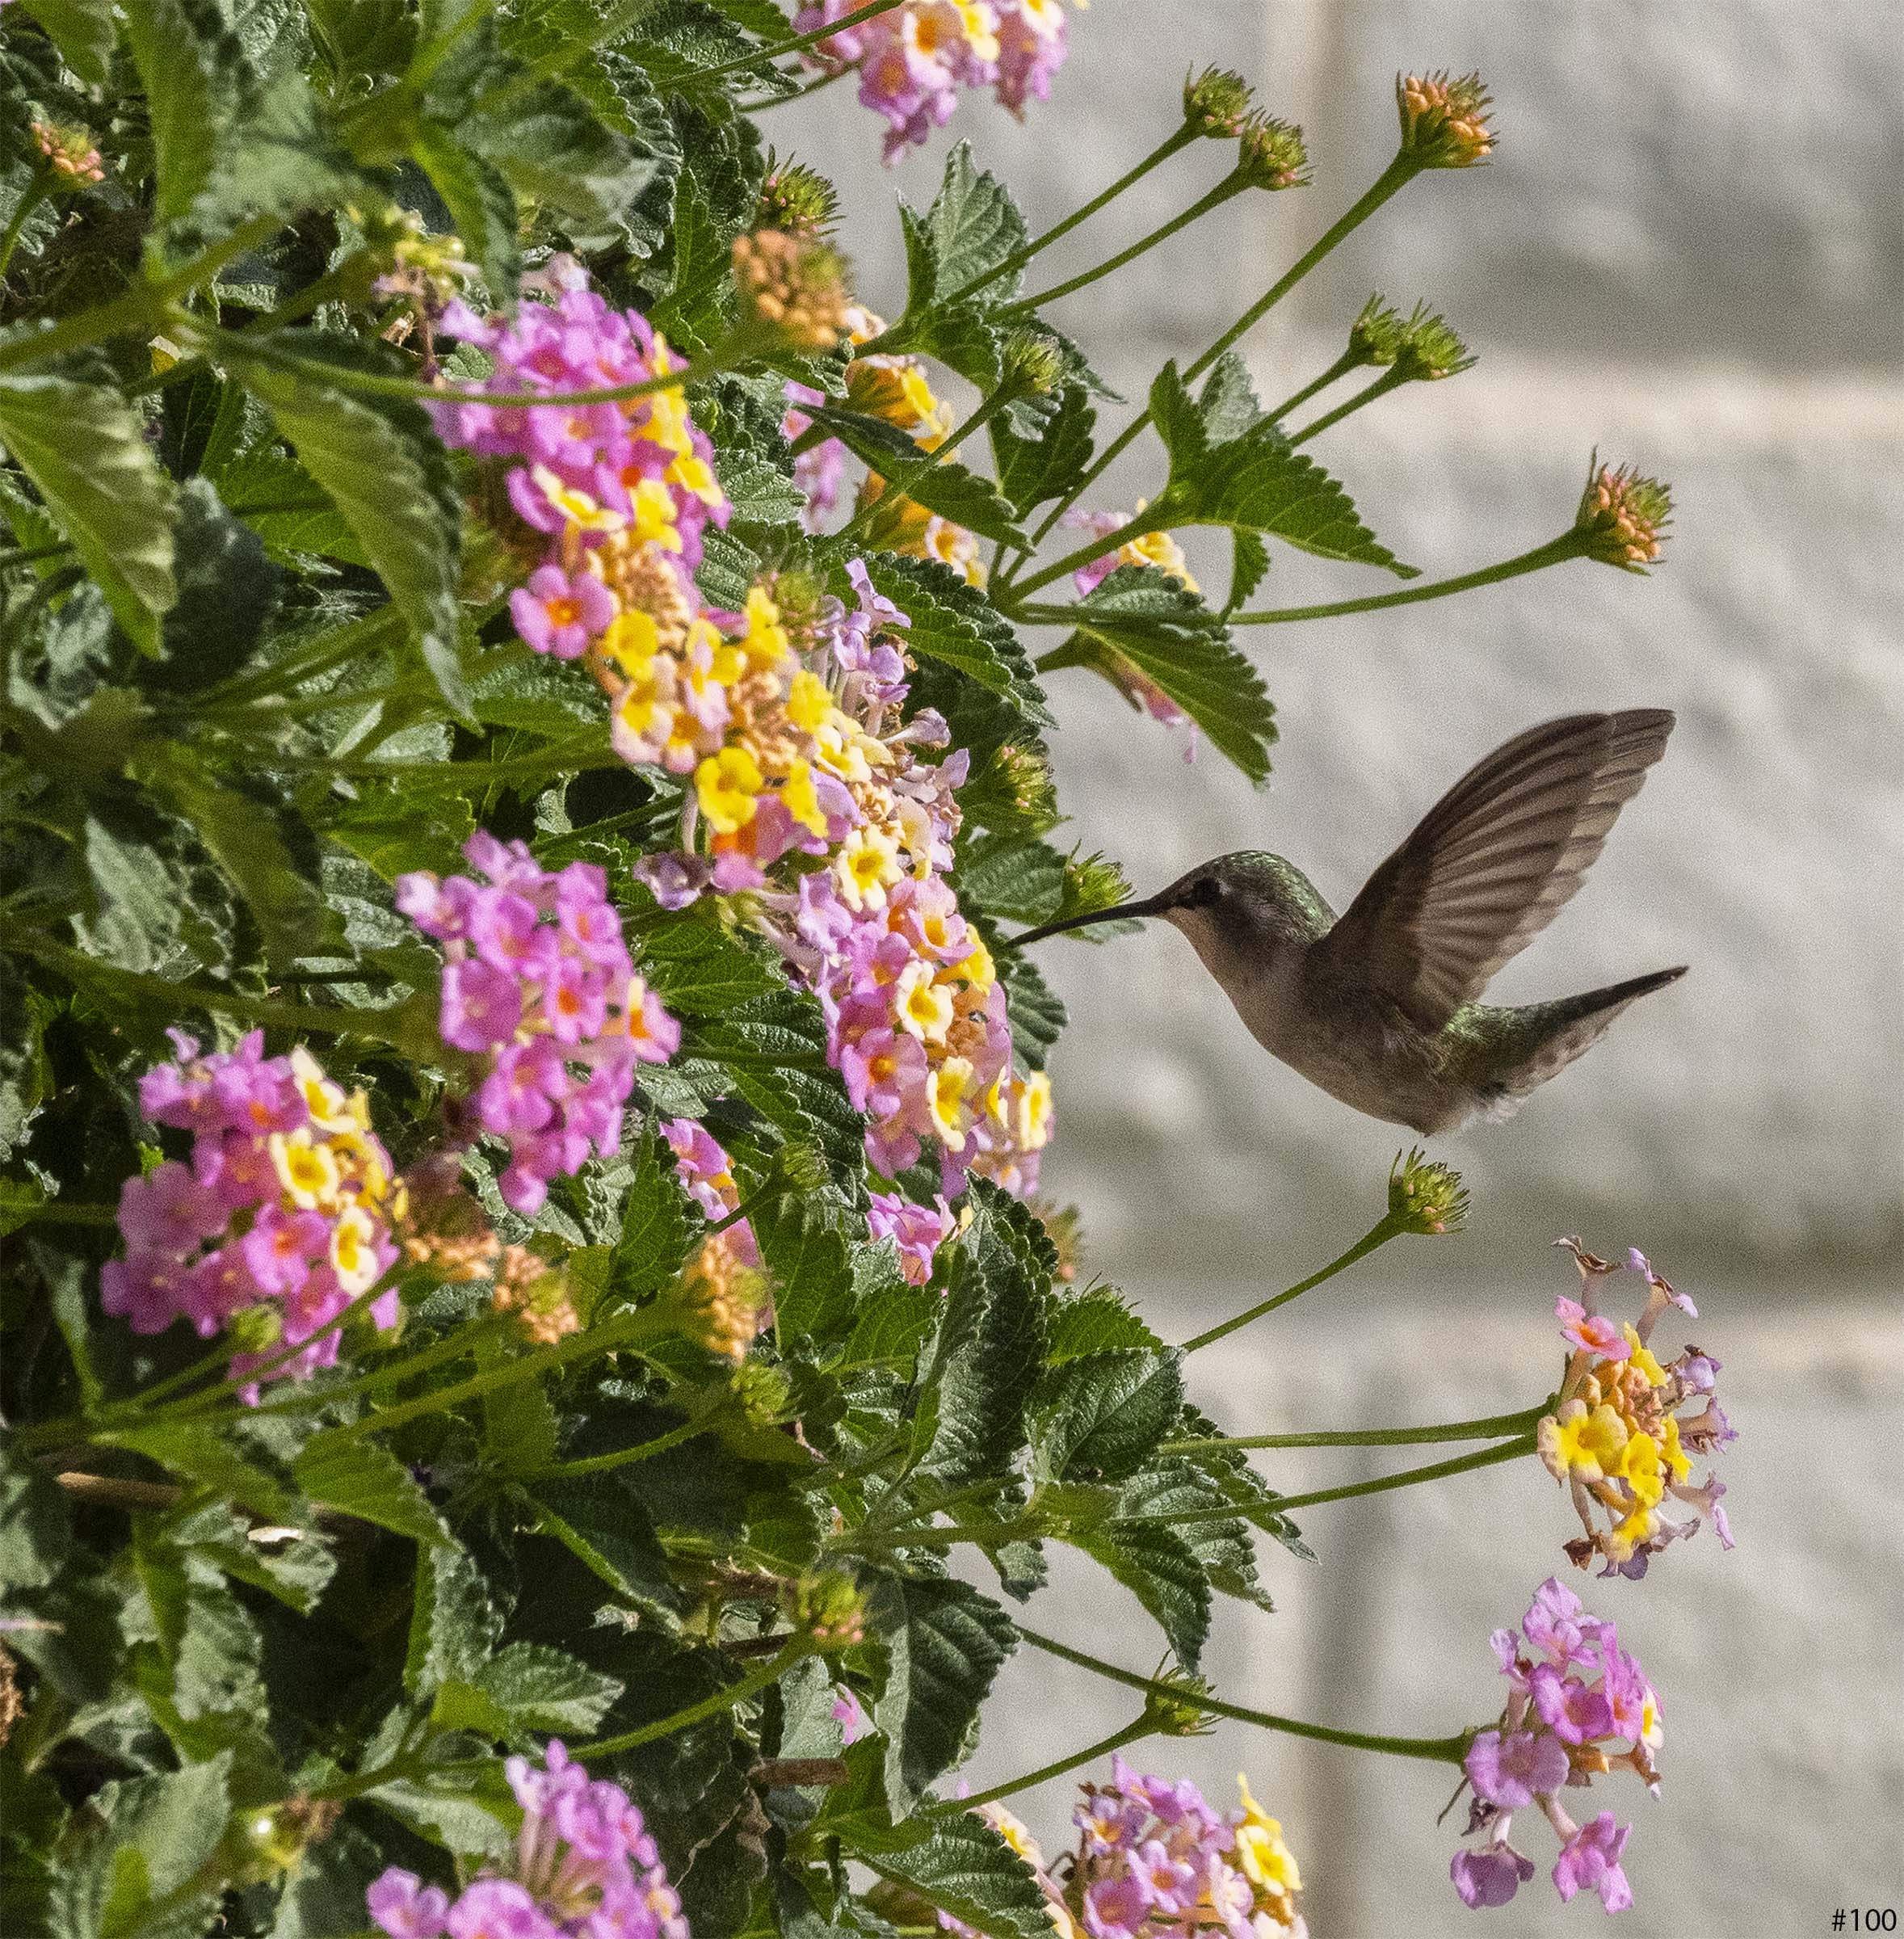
{"type": "Point", "coordinates": [898, 389]}
{"type": "Point", "coordinates": [1624, 1428]}
{"type": "Point", "coordinates": [585, 1866]}
{"type": "Point", "coordinates": [915, 1014]}
{"type": "Point", "coordinates": [1156, 1861]}
{"type": "Point", "coordinates": [280, 1216]}
{"type": "Point", "coordinates": [621, 491]}
{"type": "Point", "coordinates": [538, 983]}
{"type": "Point", "coordinates": [1572, 1693]}
{"type": "Point", "coordinates": [913, 60]}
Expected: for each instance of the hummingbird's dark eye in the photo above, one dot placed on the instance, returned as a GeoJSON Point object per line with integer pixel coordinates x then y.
{"type": "Point", "coordinates": [1204, 891]}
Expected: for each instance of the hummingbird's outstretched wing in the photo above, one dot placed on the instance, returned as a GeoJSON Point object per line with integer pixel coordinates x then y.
{"type": "Point", "coordinates": [1492, 861]}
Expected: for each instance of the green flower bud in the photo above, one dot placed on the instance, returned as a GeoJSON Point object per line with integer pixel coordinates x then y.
{"type": "Point", "coordinates": [827, 1607]}
{"type": "Point", "coordinates": [1623, 516]}
{"type": "Point", "coordinates": [1215, 103]}
{"type": "Point", "coordinates": [1444, 120]}
{"type": "Point", "coordinates": [762, 1392]}
{"type": "Point", "coordinates": [1429, 349]}
{"type": "Point", "coordinates": [1271, 153]}
{"type": "Point", "coordinates": [1424, 1196]}
{"type": "Point", "coordinates": [796, 200]}
{"type": "Point", "coordinates": [1034, 365]}
{"type": "Point", "coordinates": [1377, 335]}
{"type": "Point", "coordinates": [1179, 1711]}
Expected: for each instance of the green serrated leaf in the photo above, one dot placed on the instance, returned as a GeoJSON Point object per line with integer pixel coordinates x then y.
{"type": "Point", "coordinates": [358, 1478]}
{"type": "Point", "coordinates": [82, 30]}
{"type": "Point", "coordinates": [953, 622]}
{"type": "Point", "coordinates": [244, 837]}
{"type": "Point", "coordinates": [479, 199]}
{"type": "Point", "coordinates": [697, 969]}
{"type": "Point", "coordinates": [946, 487]}
{"type": "Point", "coordinates": [973, 226]}
{"type": "Point", "coordinates": [965, 1867]}
{"type": "Point", "coordinates": [191, 64]}
{"type": "Point", "coordinates": [204, 1456]}
{"type": "Point", "coordinates": [453, 1624]}
{"type": "Point", "coordinates": [1253, 478]}
{"type": "Point", "coordinates": [1166, 631]}
{"type": "Point", "coordinates": [1156, 1565]}
{"type": "Point", "coordinates": [1033, 470]}
{"type": "Point", "coordinates": [655, 1228]}
{"type": "Point", "coordinates": [1015, 876]}
{"type": "Point", "coordinates": [526, 1687]}
{"type": "Point", "coordinates": [944, 1643]}
{"type": "Point", "coordinates": [971, 1417]}
{"type": "Point", "coordinates": [596, 1521]}
{"type": "Point", "coordinates": [805, 1252]}
{"type": "Point", "coordinates": [1095, 1322]}
{"type": "Point", "coordinates": [1097, 1417]}
{"type": "Point", "coordinates": [84, 447]}
{"type": "Point", "coordinates": [381, 464]}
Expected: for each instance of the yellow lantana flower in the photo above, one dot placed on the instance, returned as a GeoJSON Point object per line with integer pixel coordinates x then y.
{"type": "Point", "coordinates": [728, 786]}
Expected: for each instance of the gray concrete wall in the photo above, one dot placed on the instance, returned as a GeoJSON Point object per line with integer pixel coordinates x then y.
{"type": "Point", "coordinates": [1688, 253]}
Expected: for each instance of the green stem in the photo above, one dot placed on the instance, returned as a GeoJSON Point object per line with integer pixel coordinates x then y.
{"type": "Point", "coordinates": [1384, 1228]}
{"type": "Point", "coordinates": [1383, 1484]}
{"type": "Point", "coordinates": [1437, 1750]}
{"type": "Point", "coordinates": [454, 1346]}
{"type": "Point", "coordinates": [723, 357]}
{"type": "Point", "coordinates": [754, 1681]}
{"type": "Point", "coordinates": [798, 44]}
{"type": "Point", "coordinates": [1554, 552]}
{"type": "Point", "coordinates": [902, 487]}
{"type": "Point", "coordinates": [139, 307]}
{"type": "Point", "coordinates": [600, 1464]}
{"type": "Point", "coordinates": [1232, 185]}
{"type": "Point", "coordinates": [1142, 525]}
{"type": "Point", "coordinates": [1341, 368]}
{"type": "Point", "coordinates": [31, 197]}
{"type": "Point", "coordinates": [1391, 379]}
{"type": "Point", "coordinates": [1483, 1429]}
{"type": "Point", "coordinates": [57, 1213]}
{"type": "Point", "coordinates": [1401, 170]}
{"type": "Point", "coordinates": [297, 1017]}
{"type": "Point", "coordinates": [597, 1340]}
{"type": "Point", "coordinates": [1130, 1734]}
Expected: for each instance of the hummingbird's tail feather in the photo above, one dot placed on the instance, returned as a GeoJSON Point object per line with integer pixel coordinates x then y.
{"type": "Point", "coordinates": [1557, 1033]}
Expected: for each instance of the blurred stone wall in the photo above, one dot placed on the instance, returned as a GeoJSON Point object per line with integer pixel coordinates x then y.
{"type": "Point", "coordinates": [1688, 255]}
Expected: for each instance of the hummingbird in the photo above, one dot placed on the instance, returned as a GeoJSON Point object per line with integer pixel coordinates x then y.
{"type": "Point", "coordinates": [1378, 1005]}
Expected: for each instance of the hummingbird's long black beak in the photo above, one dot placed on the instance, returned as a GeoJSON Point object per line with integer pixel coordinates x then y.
{"type": "Point", "coordinates": [1150, 904]}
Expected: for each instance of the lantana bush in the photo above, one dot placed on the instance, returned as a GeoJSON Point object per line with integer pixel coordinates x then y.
{"type": "Point", "coordinates": [539, 1385]}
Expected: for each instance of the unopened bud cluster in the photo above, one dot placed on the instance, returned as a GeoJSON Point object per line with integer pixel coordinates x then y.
{"type": "Point", "coordinates": [1034, 365]}
{"type": "Point", "coordinates": [1623, 517]}
{"type": "Point", "coordinates": [1429, 349]}
{"type": "Point", "coordinates": [827, 1609]}
{"type": "Point", "coordinates": [796, 200]}
{"type": "Point", "coordinates": [536, 1294]}
{"type": "Point", "coordinates": [1377, 334]}
{"type": "Point", "coordinates": [1444, 119]}
{"type": "Point", "coordinates": [1425, 1197]}
{"type": "Point", "coordinates": [793, 285]}
{"type": "Point", "coordinates": [1216, 104]}
{"type": "Point", "coordinates": [69, 152]}
{"type": "Point", "coordinates": [1271, 154]}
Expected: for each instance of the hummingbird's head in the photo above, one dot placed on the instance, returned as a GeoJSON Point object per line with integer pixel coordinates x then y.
{"type": "Point", "coordinates": [1236, 911]}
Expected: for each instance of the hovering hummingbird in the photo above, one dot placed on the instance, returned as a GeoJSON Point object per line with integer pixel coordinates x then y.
{"type": "Point", "coordinates": [1377, 1005]}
